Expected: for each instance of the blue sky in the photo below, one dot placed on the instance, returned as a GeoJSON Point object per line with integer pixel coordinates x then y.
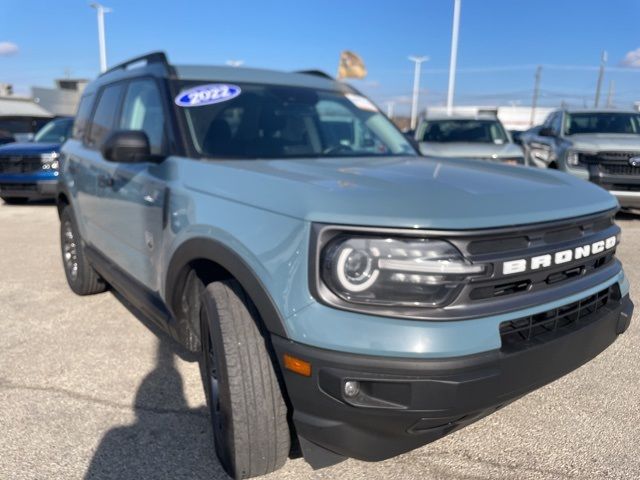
{"type": "Point", "coordinates": [501, 42]}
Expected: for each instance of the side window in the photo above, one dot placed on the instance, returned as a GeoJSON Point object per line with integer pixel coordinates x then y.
{"type": "Point", "coordinates": [556, 123]}
{"type": "Point", "coordinates": [82, 117]}
{"type": "Point", "coordinates": [549, 120]}
{"type": "Point", "coordinates": [142, 110]}
{"type": "Point", "coordinates": [104, 116]}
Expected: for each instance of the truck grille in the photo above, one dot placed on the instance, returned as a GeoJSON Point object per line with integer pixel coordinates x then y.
{"type": "Point", "coordinates": [20, 164]}
{"type": "Point", "coordinates": [542, 326]}
{"type": "Point", "coordinates": [619, 169]}
{"type": "Point", "coordinates": [612, 163]}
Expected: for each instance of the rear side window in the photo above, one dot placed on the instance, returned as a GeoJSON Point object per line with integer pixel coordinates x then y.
{"type": "Point", "coordinates": [142, 110]}
{"type": "Point", "coordinates": [105, 114]}
{"type": "Point", "coordinates": [82, 117]}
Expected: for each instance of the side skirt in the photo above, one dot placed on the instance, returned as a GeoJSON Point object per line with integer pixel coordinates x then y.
{"type": "Point", "coordinates": [146, 301]}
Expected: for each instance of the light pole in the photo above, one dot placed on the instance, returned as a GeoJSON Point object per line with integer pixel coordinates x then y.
{"type": "Point", "coordinates": [416, 88]}
{"type": "Point", "coordinates": [454, 56]}
{"type": "Point", "coordinates": [101, 10]}
{"type": "Point", "coordinates": [603, 63]}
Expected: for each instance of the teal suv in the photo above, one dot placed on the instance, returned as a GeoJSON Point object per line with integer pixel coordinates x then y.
{"type": "Point", "coordinates": [346, 296]}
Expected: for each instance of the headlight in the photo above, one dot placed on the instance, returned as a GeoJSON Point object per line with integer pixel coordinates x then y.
{"type": "Point", "coordinates": [512, 160]}
{"type": "Point", "coordinates": [50, 161]}
{"type": "Point", "coordinates": [573, 158]}
{"type": "Point", "coordinates": [395, 271]}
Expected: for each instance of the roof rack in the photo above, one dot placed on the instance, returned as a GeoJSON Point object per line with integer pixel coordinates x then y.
{"type": "Point", "coordinates": [149, 58]}
{"type": "Point", "coordinates": [317, 73]}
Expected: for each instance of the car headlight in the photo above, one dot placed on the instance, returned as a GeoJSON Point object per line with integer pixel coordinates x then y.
{"type": "Point", "coordinates": [573, 158]}
{"type": "Point", "coordinates": [395, 272]}
{"type": "Point", "coordinates": [512, 160]}
{"type": "Point", "coordinates": [50, 161]}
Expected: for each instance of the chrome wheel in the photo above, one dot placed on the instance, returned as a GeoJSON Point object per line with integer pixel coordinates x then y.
{"type": "Point", "coordinates": [69, 251]}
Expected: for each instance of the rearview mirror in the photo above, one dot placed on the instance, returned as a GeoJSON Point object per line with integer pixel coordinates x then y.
{"type": "Point", "coordinates": [546, 132]}
{"type": "Point", "coordinates": [126, 146]}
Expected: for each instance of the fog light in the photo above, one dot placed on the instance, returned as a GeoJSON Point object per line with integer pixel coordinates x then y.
{"type": "Point", "coordinates": [351, 388]}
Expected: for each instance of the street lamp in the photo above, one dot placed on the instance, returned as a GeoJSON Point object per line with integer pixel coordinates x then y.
{"type": "Point", "coordinates": [454, 56]}
{"type": "Point", "coordinates": [101, 10]}
{"type": "Point", "coordinates": [416, 88]}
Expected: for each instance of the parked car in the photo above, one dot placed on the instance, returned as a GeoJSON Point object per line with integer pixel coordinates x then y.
{"type": "Point", "coordinates": [29, 170]}
{"type": "Point", "coordinates": [343, 293]}
{"type": "Point", "coordinates": [602, 146]}
{"type": "Point", "coordinates": [481, 137]}
{"type": "Point", "coordinates": [20, 128]}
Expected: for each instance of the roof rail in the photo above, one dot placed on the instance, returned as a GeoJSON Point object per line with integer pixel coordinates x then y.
{"type": "Point", "coordinates": [153, 57]}
{"type": "Point", "coordinates": [317, 73]}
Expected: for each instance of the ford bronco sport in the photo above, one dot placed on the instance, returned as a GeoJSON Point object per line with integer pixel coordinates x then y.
{"type": "Point", "coordinates": [347, 297]}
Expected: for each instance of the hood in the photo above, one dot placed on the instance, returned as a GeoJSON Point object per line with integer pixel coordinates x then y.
{"type": "Point", "coordinates": [409, 192]}
{"type": "Point", "coordinates": [605, 141]}
{"type": "Point", "coordinates": [470, 149]}
{"type": "Point", "coordinates": [28, 148]}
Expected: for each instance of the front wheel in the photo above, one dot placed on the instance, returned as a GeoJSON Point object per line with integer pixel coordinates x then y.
{"type": "Point", "coordinates": [248, 412]}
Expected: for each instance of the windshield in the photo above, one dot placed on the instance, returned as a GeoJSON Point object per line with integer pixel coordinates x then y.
{"type": "Point", "coordinates": [56, 131]}
{"type": "Point", "coordinates": [476, 131]}
{"type": "Point", "coordinates": [263, 121]}
{"type": "Point", "coordinates": [602, 122]}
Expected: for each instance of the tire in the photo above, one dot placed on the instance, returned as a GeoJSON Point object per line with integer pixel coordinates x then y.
{"type": "Point", "coordinates": [15, 200]}
{"type": "Point", "coordinates": [81, 276]}
{"type": "Point", "coordinates": [248, 412]}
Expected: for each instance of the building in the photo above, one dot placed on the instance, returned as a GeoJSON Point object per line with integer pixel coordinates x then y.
{"type": "Point", "coordinates": [62, 100]}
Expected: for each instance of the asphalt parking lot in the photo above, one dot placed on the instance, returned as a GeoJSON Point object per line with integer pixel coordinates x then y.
{"type": "Point", "coordinates": [88, 390]}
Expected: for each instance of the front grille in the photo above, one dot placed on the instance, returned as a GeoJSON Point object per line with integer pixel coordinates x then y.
{"type": "Point", "coordinates": [20, 164]}
{"type": "Point", "coordinates": [18, 187]}
{"type": "Point", "coordinates": [615, 156]}
{"type": "Point", "coordinates": [619, 169]}
{"type": "Point", "coordinates": [549, 324]}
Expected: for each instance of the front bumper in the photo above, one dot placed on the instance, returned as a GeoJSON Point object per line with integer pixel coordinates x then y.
{"type": "Point", "coordinates": [626, 188]}
{"type": "Point", "coordinates": [35, 186]}
{"type": "Point", "coordinates": [406, 403]}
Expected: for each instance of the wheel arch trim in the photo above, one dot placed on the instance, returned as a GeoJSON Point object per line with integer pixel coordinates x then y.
{"type": "Point", "coordinates": [201, 248]}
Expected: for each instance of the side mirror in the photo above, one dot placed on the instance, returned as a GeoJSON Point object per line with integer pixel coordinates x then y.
{"type": "Point", "coordinates": [126, 146]}
{"type": "Point", "coordinates": [546, 132]}
{"type": "Point", "coordinates": [516, 135]}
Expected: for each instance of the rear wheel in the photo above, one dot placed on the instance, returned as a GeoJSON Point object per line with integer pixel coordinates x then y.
{"type": "Point", "coordinates": [15, 200]}
{"type": "Point", "coordinates": [81, 276]}
{"type": "Point", "coordinates": [248, 412]}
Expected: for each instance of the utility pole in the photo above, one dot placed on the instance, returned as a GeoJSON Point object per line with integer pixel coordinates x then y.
{"type": "Point", "coordinates": [536, 93]}
{"type": "Point", "coordinates": [101, 10]}
{"type": "Point", "coordinates": [416, 88]}
{"type": "Point", "coordinates": [390, 106]}
{"type": "Point", "coordinates": [454, 56]}
{"type": "Point", "coordinates": [612, 88]}
{"type": "Point", "coordinates": [603, 62]}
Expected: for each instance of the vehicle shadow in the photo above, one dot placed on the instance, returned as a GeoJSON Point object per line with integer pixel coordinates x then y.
{"type": "Point", "coordinates": [168, 440]}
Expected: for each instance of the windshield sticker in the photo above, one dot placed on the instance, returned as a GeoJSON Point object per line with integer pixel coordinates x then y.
{"type": "Point", "coordinates": [361, 102]}
{"type": "Point", "coordinates": [207, 95]}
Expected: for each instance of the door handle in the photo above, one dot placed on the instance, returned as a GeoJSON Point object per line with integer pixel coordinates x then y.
{"type": "Point", "coordinates": [105, 181]}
